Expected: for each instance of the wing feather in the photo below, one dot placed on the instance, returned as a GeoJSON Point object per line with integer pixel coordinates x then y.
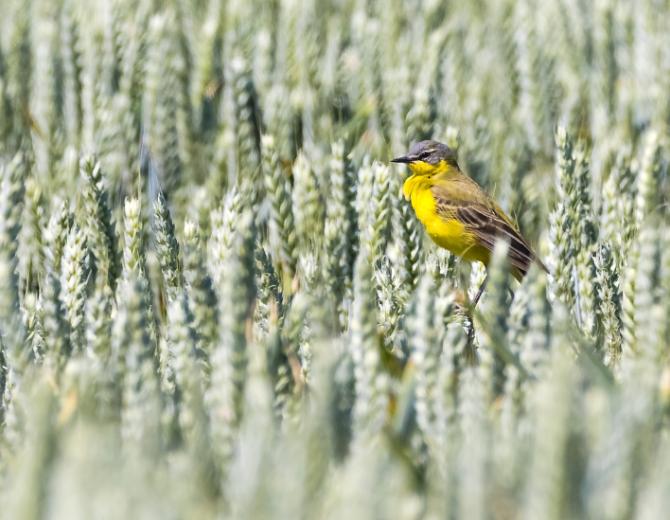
{"type": "Point", "coordinates": [487, 225]}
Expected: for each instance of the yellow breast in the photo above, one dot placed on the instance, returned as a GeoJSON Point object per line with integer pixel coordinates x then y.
{"type": "Point", "coordinates": [447, 233]}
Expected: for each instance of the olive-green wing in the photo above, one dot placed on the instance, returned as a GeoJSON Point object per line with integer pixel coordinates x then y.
{"type": "Point", "coordinates": [484, 220]}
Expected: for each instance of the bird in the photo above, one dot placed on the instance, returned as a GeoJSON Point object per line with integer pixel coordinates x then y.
{"type": "Point", "coordinates": [458, 214]}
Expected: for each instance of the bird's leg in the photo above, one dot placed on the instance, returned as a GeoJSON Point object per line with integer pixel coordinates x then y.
{"type": "Point", "coordinates": [480, 291]}
{"type": "Point", "coordinates": [471, 355]}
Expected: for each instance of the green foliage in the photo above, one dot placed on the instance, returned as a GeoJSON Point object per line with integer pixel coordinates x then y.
{"type": "Point", "coordinates": [167, 246]}
{"type": "Point", "coordinates": [269, 332]}
{"type": "Point", "coordinates": [282, 207]}
{"type": "Point", "coordinates": [99, 226]}
{"type": "Point", "coordinates": [73, 286]}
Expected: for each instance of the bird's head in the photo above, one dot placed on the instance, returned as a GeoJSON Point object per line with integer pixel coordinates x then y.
{"type": "Point", "coordinates": [428, 157]}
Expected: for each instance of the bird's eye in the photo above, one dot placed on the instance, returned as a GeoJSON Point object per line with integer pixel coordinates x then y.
{"type": "Point", "coordinates": [424, 155]}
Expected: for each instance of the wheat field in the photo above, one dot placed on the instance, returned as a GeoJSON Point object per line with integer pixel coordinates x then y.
{"type": "Point", "coordinates": [215, 302]}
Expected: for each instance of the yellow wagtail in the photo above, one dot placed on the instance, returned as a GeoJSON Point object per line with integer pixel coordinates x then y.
{"type": "Point", "coordinates": [458, 215]}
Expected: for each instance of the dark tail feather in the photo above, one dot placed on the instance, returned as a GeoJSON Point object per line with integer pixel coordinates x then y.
{"type": "Point", "coordinates": [539, 262]}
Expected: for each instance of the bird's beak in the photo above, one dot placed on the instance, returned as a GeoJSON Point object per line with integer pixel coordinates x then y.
{"type": "Point", "coordinates": [404, 159]}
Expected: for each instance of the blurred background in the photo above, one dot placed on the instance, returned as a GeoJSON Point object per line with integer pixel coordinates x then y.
{"type": "Point", "coordinates": [218, 304]}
